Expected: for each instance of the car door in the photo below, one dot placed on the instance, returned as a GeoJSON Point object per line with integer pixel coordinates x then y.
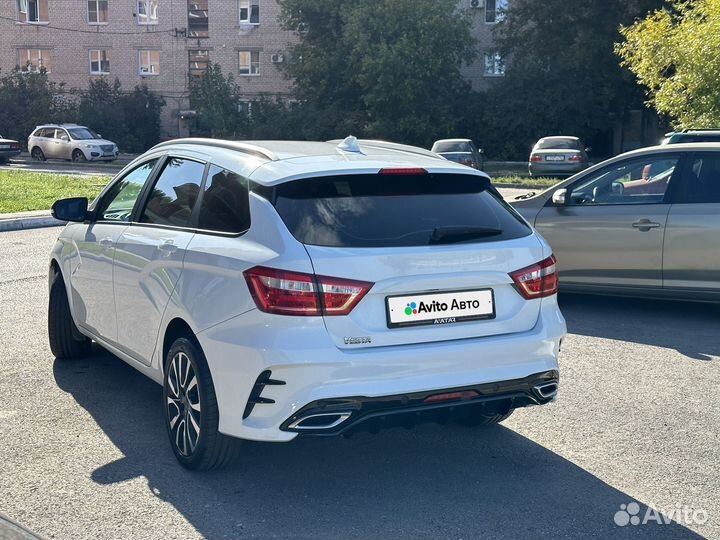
{"type": "Point", "coordinates": [149, 254]}
{"type": "Point", "coordinates": [610, 230]}
{"type": "Point", "coordinates": [91, 279]}
{"type": "Point", "coordinates": [61, 144]}
{"type": "Point", "coordinates": [692, 241]}
{"type": "Point", "coordinates": [46, 141]}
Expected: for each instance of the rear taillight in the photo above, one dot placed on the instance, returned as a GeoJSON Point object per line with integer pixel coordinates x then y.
{"type": "Point", "coordinates": [295, 293]}
{"type": "Point", "coordinates": [536, 159]}
{"type": "Point", "coordinates": [575, 158]}
{"type": "Point", "coordinates": [538, 280]}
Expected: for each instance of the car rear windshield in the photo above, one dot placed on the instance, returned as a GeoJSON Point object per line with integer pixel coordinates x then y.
{"type": "Point", "coordinates": [453, 147]}
{"type": "Point", "coordinates": [395, 210]}
{"type": "Point", "coordinates": [558, 144]}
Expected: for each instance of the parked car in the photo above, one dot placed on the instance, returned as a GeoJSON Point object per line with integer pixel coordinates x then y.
{"type": "Point", "coordinates": [614, 231]}
{"type": "Point", "coordinates": [462, 151]}
{"type": "Point", "coordinates": [279, 288]}
{"type": "Point", "coordinates": [692, 135]}
{"type": "Point", "coordinates": [8, 148]}
{"type": "Point", "coordinates": [70, 141]}
{"type": "Point", "coordinates": [558, 156]}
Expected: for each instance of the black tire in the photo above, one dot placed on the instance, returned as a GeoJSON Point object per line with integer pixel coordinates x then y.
{"type": "Point", "coordinates": [37, 154]}
{"type": "Point", "coordinates": [469, 416]}
{"type": "Point", "coordinates": [78, 156]}
{"type": "Point", "coordinates": [181, 400]}
{"type": "Point", "coordinates": [65, 339]}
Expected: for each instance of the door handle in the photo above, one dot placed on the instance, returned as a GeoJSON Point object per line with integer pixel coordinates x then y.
{"type": "Point", "coordinates": [107, 242]}
{"type": "Point", "coordinates": [168, 247]}
{"type": "Point", "coordinates": [645, 225]}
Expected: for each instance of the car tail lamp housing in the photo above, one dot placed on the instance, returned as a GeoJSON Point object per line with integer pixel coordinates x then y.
{"type": "Point", "coordinates": [538, 280]}
{"type": "Point", "coordinates": [575, 158]}
{"type": "Point", "coordinates": [296, 293]}
{"type": "Point", "coordinates": [536, 159]}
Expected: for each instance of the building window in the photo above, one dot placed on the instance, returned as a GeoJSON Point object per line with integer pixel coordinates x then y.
{"type": "Point", "coordinates": [149, 62]}
{"type": "Point", "coordinates": [198, 62]}
{"type": "Point", "coordinates": [97, 11]}
{"type": "Point", "coordinates": [495, 11]}
{"type": "Point", "coordinates": [249, 62]}
{"type": "Point", "coordinates": [34, 60]}
{"type": "Point", "coordinates": [99, 62]}
{"type": "Point", "coordinates": [147, 11]}
{"type": "Point", "coordinates": [33, 11]}
{"type": "Point", "coordinates": [198, 19]}
{"type": "Point", "coordinates": [249, 11]}
{"type": "Point", "coordinates": [494, 65]}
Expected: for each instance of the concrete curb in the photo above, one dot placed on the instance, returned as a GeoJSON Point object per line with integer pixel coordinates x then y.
{"type": "Point", "coordinates": [23, 223]}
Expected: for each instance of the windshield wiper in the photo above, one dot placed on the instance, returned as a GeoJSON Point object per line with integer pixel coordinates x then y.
{"type": "Point", "coordinates": [454, 235]}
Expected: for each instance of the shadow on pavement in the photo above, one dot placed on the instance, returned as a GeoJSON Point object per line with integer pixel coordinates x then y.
{"type": "Point", "coordinates": [687, 327]}
{"type": "Point", "coordinates": [433, 482]}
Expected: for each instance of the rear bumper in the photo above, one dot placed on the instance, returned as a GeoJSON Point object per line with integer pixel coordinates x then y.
{"type": "Point", "coordinates": [6, 153]}
{"type": "Point", "coordinates": [338, 416]}
{"type": "Point", "coordinates": [560, 169]}
{"type": "Point", "coordinates": [302, 355]}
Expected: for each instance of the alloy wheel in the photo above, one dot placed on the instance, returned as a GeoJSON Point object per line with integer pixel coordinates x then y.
{"type": "Point", "coordinates": [183, 404]}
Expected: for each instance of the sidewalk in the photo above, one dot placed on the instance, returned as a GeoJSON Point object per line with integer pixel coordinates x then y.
{"type": "Point", "coordinates": [28, 220]}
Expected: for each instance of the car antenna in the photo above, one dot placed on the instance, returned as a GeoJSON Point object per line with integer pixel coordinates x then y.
{"type": "Point", "coordinates": [350, 144]}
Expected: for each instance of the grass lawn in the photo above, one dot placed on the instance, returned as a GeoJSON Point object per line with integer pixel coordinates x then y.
{"type": "Point", "coordinates": [23, 190]}
{"type": "Point", "coordinates": [541, 183]}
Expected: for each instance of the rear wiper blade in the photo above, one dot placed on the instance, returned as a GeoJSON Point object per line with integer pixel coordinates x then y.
{"type": "Point", "coordinates": [452, 235]}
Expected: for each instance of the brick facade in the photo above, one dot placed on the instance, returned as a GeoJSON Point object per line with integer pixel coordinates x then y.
{"type": "Point", "coordinates": [64, 33]}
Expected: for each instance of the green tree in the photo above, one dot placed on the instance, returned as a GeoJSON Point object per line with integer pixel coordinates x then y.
{"type": "Point", "coordinates": [216, 99]}
{"type": "Point", "coordinates": [382, 68]}
{"type": "Point", "coordinates": [563, 76]}
{"type": "Point", "coordinates": [27, 100]}
{"type": "Point", "coordinates": [141, 110]}
{"type": "Point", "coordinates": [675, 55]}
{"type": "Point", "coordinates": [99, 108]}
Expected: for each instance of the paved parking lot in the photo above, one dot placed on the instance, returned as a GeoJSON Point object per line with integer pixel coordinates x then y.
{"type": "Point", "coordinates": [84, 452]}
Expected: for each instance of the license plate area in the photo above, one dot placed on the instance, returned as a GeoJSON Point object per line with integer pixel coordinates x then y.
{"type": "Point", "coordinates": [446, 307]}
{"type": "Point", "coordinates": [555, 158]}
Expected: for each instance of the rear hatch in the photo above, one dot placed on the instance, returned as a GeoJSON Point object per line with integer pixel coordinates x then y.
{"type": "Point", "coordinates": [435, 249]}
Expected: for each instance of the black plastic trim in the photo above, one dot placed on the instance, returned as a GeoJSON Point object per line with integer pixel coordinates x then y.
{"type": "Point", "coordinates": [403, 409]}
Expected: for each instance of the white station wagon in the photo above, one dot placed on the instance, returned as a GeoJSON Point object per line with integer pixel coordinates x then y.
{"type": "Point", "coordinates": [317, 288]}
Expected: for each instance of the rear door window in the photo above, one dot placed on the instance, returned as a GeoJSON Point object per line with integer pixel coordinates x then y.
{"type": "Point", "coordinates": [395, 211]}
{"type": "Point", "coordinates": [173, 197]}
{"type": "Point", "coordinates": [225, 205]}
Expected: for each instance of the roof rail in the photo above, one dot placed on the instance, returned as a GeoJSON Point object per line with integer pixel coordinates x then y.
{"type": "Point", "coordinates": [688, 130]}
{"type": "Point", "coordinates": [397, 147]}
{"type": "Point", "coordinates": [238, 146]}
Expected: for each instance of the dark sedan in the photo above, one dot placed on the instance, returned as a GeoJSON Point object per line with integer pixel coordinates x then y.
{"type": "Point", "coordinates": [8, 149]}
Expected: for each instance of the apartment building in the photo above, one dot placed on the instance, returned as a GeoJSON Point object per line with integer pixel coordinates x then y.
{"type": "Point", "coordinates": [164, 43]}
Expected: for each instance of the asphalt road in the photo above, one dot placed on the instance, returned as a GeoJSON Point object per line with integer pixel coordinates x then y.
{"type": "Point", "coordinates": [58, 166]}
{"type": "Point", "coordinates": [84, 453]}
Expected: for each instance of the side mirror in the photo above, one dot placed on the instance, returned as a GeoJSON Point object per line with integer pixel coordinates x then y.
{"type": "Point", "coordinates": [72, 209]}
{"type": "Point", "coordinates": [98, 136]}
{"type": "Point", "coordinates": [481, 151]}
{"type": "Point", "coordinates": [588, 150]}
{"type": "Point", "coordinates": [559, 197]}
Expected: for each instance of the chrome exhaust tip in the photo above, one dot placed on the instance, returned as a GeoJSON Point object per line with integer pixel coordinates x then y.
{"type": "Point", "coordinates": [320, 421]}
{"type": "Point", "coordinates": [547, 390]}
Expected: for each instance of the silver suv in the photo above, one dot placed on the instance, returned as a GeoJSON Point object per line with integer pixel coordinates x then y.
{"type": "Point", "coordinates": [70, 141]}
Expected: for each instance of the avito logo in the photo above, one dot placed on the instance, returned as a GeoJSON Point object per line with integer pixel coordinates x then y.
{"type": "Point", "coordinates": [414, 308]}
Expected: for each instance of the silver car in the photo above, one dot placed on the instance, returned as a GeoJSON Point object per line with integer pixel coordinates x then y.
{"type": "Point", "coordinates": [615, 231]}
{"type": "Point", "coordinates": [70, 141]}
{"type": "Point", "coordinates": [558, 156]}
